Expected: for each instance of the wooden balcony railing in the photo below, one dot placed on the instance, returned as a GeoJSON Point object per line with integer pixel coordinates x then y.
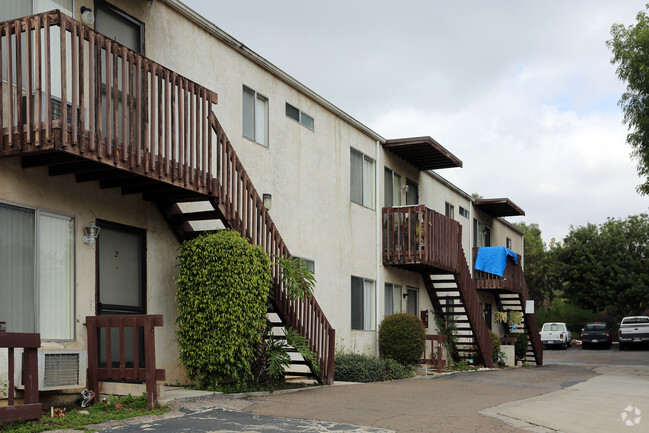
{"type": "Point", "coordinates": [32, 408]}
{"type": "Point", "coordinates": [511, 281]}
{"type": "Point", "coordinates": [133, 362]}
{"type": "Point", "coordinates": [416, 235]}
{"type": "Point", "coordinates": [243, 207]}
{"type": "Point", "coordinates": [67, 87]}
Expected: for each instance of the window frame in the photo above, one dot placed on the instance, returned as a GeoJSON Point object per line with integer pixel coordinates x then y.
{"type": "Point", "coordinates": [257, 96]}
{"type": "Point", "coordinates": [409, 290]}
{"type": "Point", "coordinates": [300, 114]}
{"type": "Point", "coordinates": [392, 289]}
{"type": "Point", "coordinates": [464, 212]}
{"type": "Point", "coordinates": [38, 214]}
{"type": "Point", "coordinates": [363, 301]}
{"type": "Point", "coordinates": [449, 210]}
{"type": "Point", "coordinates": [508, 243]}
{"type": "Point", "coordinates": [394, 190]}
{"type": "Point", "coordinates": [371, 202]}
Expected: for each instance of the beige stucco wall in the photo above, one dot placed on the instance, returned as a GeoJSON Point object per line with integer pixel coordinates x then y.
{"type": "Point", "coordinates": [86, 202]}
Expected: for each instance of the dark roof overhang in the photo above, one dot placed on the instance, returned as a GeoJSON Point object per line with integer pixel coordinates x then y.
{"type": "Point", "coordinates": [423, 152]}
{"type": "Point", "coordinates": [498, 207]}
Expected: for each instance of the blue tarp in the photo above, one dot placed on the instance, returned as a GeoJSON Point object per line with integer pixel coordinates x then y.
{"type": "Point", "coordinates": [494, 259]}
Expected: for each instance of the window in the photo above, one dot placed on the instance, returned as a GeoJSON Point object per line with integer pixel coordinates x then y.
{"type": "Point", "coordinates": [391, 189]}
{"type": "Point", "coordinates": [363, 316]}
{"type": "Point", "coordinates": [449, 210]}
{"type": "Point", "coordinates": [362, 179]}
{"type": "Point", "coordinates": [481, 234]}
{"type": "Point", "coordinates": [508, 243]}
{"type": "Point", "coordinates": [255, 116]}
{"type": "Point", "coordinates": [412, 193]}
{"type": "Point", "coordinates": [309, 264]}
{"type": "Point", "coordinates": [412, 304]}
{"type": "Point", "coordinates": [392, 299]}
{"type": "Point", "coordinates": [12, 9]}
{"type": "Point", "coordinates": [464, 212]}
{"type": "Point", "coordinates": [299, 116]}
{"type": "Point", "coordinates": [37, 272]}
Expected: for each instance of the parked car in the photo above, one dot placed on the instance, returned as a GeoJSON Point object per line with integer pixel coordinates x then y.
{"type": "Point", "coordinates": [634, 330]}
{"type": "Point", "coordinates": [596, 334]}
{"type": "Point", "coordinates": [556, 334]}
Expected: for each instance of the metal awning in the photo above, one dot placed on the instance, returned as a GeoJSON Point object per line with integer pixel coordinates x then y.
{"type": "Point", "coordinates": [498, 207]}
{"type": "Point", "coordinates": [423, 152]}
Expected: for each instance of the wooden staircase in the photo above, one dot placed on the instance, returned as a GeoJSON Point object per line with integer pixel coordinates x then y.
{"type": "Point", "coordinates": [512, 291]}
{"type": "Point", "coordinates": [166, 144]}
{"type": "Point", "coordinates": [421, 240]}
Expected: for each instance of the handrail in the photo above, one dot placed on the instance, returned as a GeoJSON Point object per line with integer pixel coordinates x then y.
{"type": "Point", "coordinates": [240, 203]}
{"type": "Point", "coordinates": [32, 407]}
{"type": "Point", "coordinates": [148, 373]}
{"type": "Point", "coordinates": [113, 104]}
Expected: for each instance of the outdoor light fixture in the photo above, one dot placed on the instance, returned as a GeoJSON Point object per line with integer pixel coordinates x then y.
{"type": "Point", "coordinates": [91, 231]}
{"type": "Point", "coordinates": [268, 201]}
{"type": "Point", "coordinates": [87, 17]}
{"type": "Point", "coordinates": [405, 188]}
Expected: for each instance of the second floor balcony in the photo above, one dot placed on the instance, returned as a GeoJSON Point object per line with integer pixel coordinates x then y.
{"type": "Point", "coordinates": [421, 240]}
{"type": "Point", "coordinates": [512, 281]}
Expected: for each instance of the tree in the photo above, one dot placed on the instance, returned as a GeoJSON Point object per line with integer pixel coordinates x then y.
{"type": "Point", "coordinates": [630, 47]}
{"type": "Point", "coordinates": [539, 272]}
{"type": "Point", "coordinates": [606, 267]}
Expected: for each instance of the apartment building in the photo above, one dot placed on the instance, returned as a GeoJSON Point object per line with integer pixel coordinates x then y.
{"type": "Point", "coordinates": [128, 126]}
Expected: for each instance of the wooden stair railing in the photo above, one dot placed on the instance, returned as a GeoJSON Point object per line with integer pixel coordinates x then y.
{"type": "Point", "coordinates": [242, 207]}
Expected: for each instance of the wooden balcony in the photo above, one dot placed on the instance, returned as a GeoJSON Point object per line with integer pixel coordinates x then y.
{"type": "Point", "coordinates": [419, 239]}
{"type": "Point", "coordinates": [512, 280]}
{"type": "Point", "coordinates": [77, 102]}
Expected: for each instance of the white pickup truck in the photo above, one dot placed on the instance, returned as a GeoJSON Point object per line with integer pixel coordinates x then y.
{"type": "Point", "coordinates": [556, 334]}
{"type": "Point", "coordinates": [634, 330]}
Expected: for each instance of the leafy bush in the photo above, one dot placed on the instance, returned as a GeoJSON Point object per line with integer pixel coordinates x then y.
{"type": "Point", "coordinates": [402, 337]}
{"type": "Point", "coordinates": [495, 345]}
{"type": "Point", "coordinates": [353, 367]}
{"type": "Point", "coordinates": [223, 285]}
{"type": "Point", "coordinates": [520, 346]}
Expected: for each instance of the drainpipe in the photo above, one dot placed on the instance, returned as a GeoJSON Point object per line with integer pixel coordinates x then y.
{"type": "Point", "coordinates": [379, 235]}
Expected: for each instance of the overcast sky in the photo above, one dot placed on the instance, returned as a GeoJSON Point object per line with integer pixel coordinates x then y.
{"type": "Point", "coordinates": [522, 92]}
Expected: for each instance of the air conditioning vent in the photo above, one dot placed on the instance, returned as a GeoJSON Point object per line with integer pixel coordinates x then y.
{"type": "Point", "coordinates": [57, 369]}
{"type": "Point", "coordinates": [61, 369]}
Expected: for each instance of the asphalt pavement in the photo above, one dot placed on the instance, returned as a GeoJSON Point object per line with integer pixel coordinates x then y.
{"type": "Point", "coordinates": [576, 391]}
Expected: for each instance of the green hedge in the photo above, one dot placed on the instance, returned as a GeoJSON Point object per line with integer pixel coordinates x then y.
{"type": "Point", "coordinates": [353, 367]}
{"type": "Point", "coordinates": [402, 337]}
{"type": "Point", "coordinates": [223, 285]}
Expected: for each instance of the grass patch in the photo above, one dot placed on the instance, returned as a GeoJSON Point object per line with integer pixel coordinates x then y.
{"type": "Point", "coordinates": [97, 413]}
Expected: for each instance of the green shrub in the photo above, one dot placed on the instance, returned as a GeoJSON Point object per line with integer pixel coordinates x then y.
{"type": "Point", "coordinates": [402, 337]}
{"type": "Point", "coordinates": [520, 346]}
{"type": "Point", "coordinates": [495, 345]}
{"type": "Point", "coordinates": [353, 367]}
{"type": "Point", "coordinates": [223, 285]}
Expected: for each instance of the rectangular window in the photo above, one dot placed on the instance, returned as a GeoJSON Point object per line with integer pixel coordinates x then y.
{"type": "Point", "coordinates": [37, 272]}
{"type": "Point", "coordinates": [391, 188]}
{"type": "Point", "coordinates": [508, 243]}
{"type": "Point", "coordinates": [477, 234]}
{"type": "Point", "coordinates": [299, 116]}
{"type": "Point", "coordinates": [464, 212]}
{"type": "Point", "coordinates": [363, 301]}
{"type": "Point", "coordinates": [449, 210]}
{"type": "Point", "coordinates": [412, 306]}
{"type": "Point", "coordinates": [255, 116]}
{"type": "Point", "coordinates": [392, 299]}
{"type": "Point", "coordinates": [362, 179]}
